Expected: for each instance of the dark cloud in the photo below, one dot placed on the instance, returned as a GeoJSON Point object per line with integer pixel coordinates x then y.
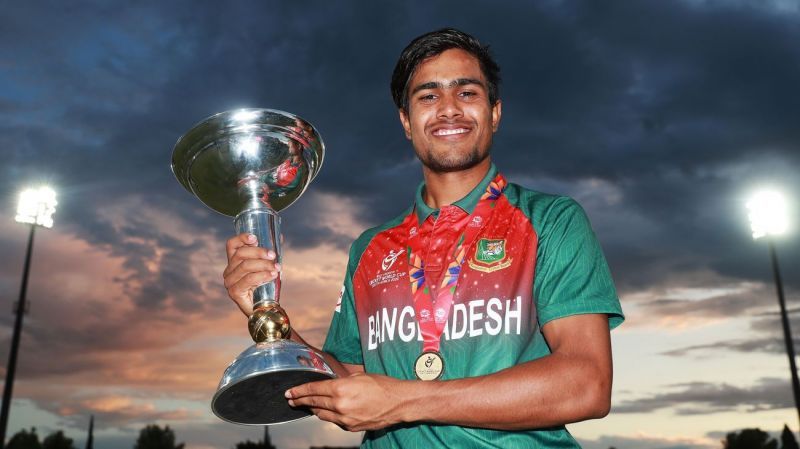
{"type": "Point", "coordinates": [305, 225]}
{"type": "Point", "coordinates": [720, 307]}
{"type": "Point", "coordinates": [700, 301]}
{"type": "Point", "coordinates": [703, 398]}
{"type": "Point", "coordinates": [664, 110]}
{"type": "Point", "coordinates": [766, 337]}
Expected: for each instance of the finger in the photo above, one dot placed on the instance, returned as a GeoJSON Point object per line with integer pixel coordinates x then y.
{"type": "Point", "coordinates": [314, 402]}
{"type": "Point", "coordinates": [250, 266]}
{"type": "Point", "coordinates": [319, 388]}
{"type": "Point", "coordinates": [248, 253]}
{"type": "Point", "coordinates": [238, 241]}
{"type": "Point", "coordinates": [242, 292]}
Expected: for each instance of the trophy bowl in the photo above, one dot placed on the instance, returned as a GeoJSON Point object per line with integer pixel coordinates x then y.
{"type": "Point", "coordinates": [249, 164]}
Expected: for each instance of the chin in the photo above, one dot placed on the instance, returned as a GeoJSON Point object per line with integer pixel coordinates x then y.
{"type": "Point", "coordinates": [446, 164]}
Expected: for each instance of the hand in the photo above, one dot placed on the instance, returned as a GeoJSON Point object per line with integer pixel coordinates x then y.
{"type": "Point", "coordinates": [249, 266]}
{"type": "Point", "coordinates": [355, 403]}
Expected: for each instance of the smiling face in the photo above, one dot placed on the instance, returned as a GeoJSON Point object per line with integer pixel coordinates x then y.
{"type": "Point", "coordinates": [449, 119]}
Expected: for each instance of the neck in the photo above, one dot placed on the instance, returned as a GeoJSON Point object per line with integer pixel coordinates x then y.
{"type": "Point", "coordinates": [442, 189]}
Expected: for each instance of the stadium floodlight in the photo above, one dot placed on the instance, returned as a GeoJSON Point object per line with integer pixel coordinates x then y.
{"type": "Point", "coordinates": [768, 213]}
{"type": "Point", "coordinates": [37, 206]}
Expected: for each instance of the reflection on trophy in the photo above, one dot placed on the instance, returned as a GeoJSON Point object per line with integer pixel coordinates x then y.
{"type": "Point", "coordinates": [250, 164]}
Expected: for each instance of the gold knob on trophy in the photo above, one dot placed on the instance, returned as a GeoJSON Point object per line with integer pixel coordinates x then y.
{"type": "Point", "coordinates": [268, 323]}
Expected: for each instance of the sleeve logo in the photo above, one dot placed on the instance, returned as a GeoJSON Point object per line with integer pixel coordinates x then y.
{"type": "Point", "coordinates": [339, 302]}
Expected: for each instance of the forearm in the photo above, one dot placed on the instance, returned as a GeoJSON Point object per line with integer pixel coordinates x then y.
{"type": "Point", "coordinates": [571, 384]}
{"type": "Point", "coordinates": [554, 390]}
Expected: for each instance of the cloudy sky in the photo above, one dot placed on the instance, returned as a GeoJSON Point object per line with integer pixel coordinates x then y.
{"type": "Point", "coordinates": [658, 117]}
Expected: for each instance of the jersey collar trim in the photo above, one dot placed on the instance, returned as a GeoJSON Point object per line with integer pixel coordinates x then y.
{"type": "Point", "coordinates": [467, 204]}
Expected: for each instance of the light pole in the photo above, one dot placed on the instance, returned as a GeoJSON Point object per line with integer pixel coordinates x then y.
{"type": "Point", "coordinates": [36, 208]}
{"type": "Point", "coordinates": [769, 218]}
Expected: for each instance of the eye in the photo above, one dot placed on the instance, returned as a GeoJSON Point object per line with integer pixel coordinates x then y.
{"type": "Point", "coordinates": [427, 98]}
{"type": "Point", "coordinates": [467, 94]}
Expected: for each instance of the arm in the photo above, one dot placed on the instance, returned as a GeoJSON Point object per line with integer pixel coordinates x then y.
{"type": "Point", "coordinates": [572, 384]}
{"type": "Point", "coordinates": [250, 266]}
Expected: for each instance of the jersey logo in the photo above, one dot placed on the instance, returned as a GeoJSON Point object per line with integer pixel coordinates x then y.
{"type": "Point", "coordinates": [490, 251]}
{"type": "Point", "coordinates": [389, 260]}
{"type": "Point", "coordinates": [386, 275]}
{"type": "Point", "coordinates": [425, 315]}
{"type": "Point", "coordinates": [476, 222]}
{"type": "Point", "coordinates": [490, 255]}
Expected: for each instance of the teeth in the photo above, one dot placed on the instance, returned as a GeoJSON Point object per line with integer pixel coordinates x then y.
{"type": "Point", "coordinates": [449, 132]}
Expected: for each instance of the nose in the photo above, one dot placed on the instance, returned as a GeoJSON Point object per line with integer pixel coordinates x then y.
{"type": "Point", "coordinates": [449, 107]}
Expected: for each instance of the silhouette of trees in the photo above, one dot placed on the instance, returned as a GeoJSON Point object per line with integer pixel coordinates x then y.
{"type": "Point", "coordinates": [253, 445]}
{"type": "Point", "coordinates": [154, 437]}
{"type": "Point", "coordinates": [758, 439]}
{"type": "Point", "coordinates": [787, 439]}
{"type": "Point", "coordinates": [24, 440]}
{"type": "Point", "coordinates": [57, 440]}
{"type": "Point", "coordinates": [30, 440]}
{"type": "Point", "coordinates": [265, 444]}
{"type": "Point", "coordinates": [749, 439]}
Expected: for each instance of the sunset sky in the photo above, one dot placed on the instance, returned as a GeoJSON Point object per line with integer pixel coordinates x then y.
{"type": "Point", "coordinates": [658, 117]}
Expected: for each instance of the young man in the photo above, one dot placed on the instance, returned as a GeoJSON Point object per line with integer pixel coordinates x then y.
{"type": "Point", "coordinates": [480, 316]}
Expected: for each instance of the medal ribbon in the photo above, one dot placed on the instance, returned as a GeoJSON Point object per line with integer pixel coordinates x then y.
{"type": "Point", "coordinates": [425, 306]}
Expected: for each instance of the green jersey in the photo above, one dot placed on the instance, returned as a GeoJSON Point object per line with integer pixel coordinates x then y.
{"type": "Point", "coordinates": [534, 259]}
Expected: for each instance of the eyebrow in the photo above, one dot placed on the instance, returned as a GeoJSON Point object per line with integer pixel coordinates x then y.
{"type": "Point", "coordinates": [454, 83]}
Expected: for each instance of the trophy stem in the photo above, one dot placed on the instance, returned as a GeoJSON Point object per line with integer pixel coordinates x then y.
{"type": "Point", "coordinates": [265, 224]}
{"type": "Point", "coordinates": [269, 322]}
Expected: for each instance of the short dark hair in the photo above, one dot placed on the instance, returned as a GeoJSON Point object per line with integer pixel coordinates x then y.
{"type": "Point", "coordinates": [432, 44]}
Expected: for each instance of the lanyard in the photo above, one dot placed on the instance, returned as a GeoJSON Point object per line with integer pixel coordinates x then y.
{"type": "Point", "coordinates": [432, 313]}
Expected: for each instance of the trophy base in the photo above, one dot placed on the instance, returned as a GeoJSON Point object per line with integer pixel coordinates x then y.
{"type": "Point", "coordinates": [252, 389]}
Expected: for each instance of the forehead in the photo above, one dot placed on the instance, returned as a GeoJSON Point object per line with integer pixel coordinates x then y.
{"type": "Point", "coordinates": [448, 66]}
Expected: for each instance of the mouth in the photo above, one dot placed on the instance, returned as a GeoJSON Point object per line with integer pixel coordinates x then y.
{"type": "Point", "coordinates": [442, 132]}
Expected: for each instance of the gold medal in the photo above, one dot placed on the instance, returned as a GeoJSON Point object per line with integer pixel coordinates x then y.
{"type": "Point", "coordinates": [429, 366]}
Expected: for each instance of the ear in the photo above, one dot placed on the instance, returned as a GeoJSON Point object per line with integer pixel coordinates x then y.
{"type": "Point", "coordinates": [405, 122]}
{"type": "Point", "coordinates": [497, 111]}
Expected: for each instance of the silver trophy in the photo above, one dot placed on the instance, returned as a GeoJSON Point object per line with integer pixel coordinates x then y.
{"type": "Point", "coordinates": [250, 164]}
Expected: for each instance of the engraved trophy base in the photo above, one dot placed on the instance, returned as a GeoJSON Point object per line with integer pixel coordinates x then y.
{"type": "Point", "coordinates": [252, 389]}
